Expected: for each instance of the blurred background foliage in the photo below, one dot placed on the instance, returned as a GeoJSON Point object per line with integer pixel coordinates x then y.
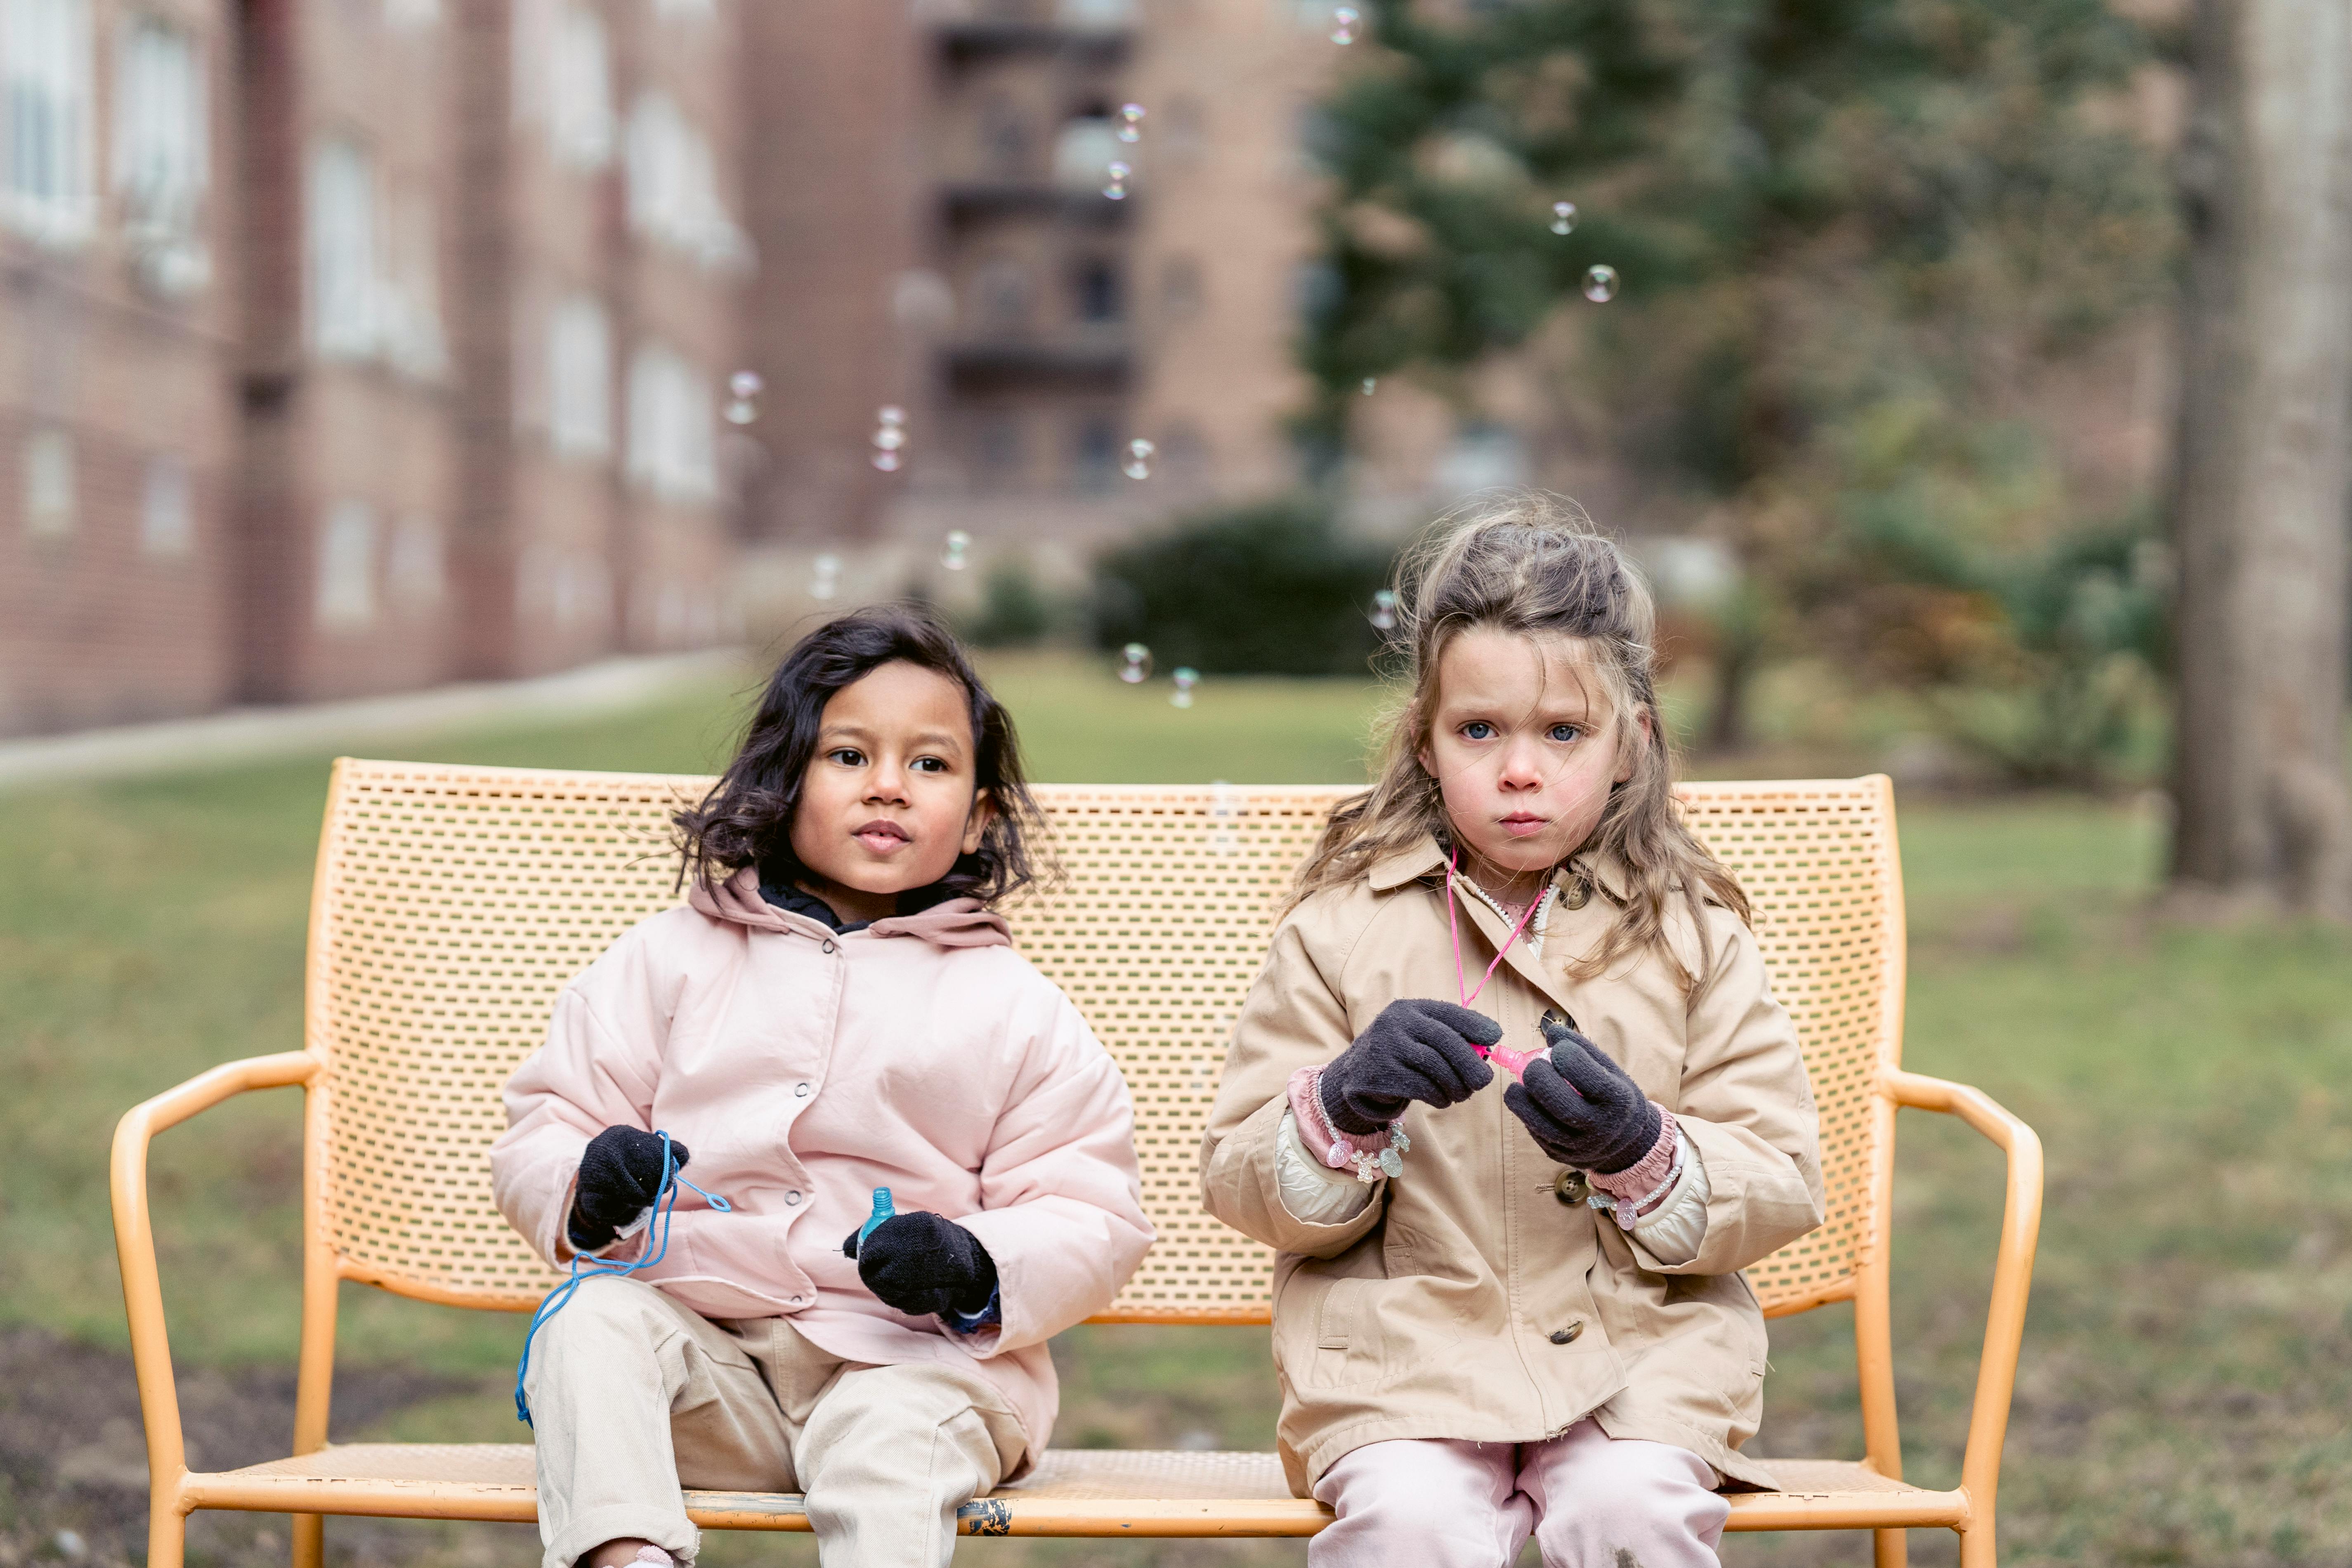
{"type": "Point", "coordinates": [1855, 240]}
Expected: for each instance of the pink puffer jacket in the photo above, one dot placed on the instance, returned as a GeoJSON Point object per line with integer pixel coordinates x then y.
{"type": "Point", "coordinates": [804, 1069]}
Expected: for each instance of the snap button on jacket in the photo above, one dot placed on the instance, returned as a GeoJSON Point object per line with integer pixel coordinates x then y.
{"type": "Point", "coordinates": [1472, 1299]}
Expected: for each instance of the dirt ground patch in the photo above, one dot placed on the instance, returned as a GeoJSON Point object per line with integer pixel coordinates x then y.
{"type": "Point", "coordinates": [73, 1457]}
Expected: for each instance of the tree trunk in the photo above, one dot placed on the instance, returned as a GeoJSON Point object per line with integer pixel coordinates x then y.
{"type": "Point", "coordinates": [2261, 509]}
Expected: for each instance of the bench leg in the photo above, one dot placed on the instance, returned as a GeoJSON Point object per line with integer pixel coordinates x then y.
{"type": "Point", "coordinates": [167, 1537]}
{"type": "Point", "coordinates": [310, 1539]}
{"type": "Point", "coordinates": [1977, 1549]}
{"type": "Point", "coordinates": [1890, 1550]}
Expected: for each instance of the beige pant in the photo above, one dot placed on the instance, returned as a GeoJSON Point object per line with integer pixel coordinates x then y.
{"type": "Point", "coordinates": [633, 1396]}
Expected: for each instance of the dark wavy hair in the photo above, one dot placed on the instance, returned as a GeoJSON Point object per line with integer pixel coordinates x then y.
{"type": "Point", "coordinates": [747, 818]}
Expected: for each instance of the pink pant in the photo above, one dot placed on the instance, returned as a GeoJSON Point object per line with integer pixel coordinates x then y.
{"type": "Point", "coordinates": [1590, 1500]}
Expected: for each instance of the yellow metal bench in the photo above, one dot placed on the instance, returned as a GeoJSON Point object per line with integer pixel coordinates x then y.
{"type": "Point", "coordinates": [453, 902]}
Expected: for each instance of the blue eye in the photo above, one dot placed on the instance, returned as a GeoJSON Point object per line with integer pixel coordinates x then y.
{"type": "Point", "coordinates": [1564, 733]}
{"type": "Point", "coordinates": [1477, 730]}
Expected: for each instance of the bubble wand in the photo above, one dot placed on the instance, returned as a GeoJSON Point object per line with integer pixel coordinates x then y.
{"type": "Point", "coordinates": [1514, 1062]}
{"type": "Point", "coordinates": [665, 1202]}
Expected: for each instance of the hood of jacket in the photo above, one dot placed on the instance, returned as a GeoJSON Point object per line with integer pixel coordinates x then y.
{"type": "Point", "coordinates": [954, 923]}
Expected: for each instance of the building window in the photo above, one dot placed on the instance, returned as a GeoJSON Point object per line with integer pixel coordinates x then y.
{"type": "Point", "coordinates": [49, 508]}
{"type": "Point", "coordinates": [1005, 139]}
{"type": "Point", "coordinates": [1095, 15]}
{"type": "Point", "coordinates": [671, 444]}
{"type": "Point", "coordinates": [360, 307]}
{"type": "Point", "coordinates": [1180, 288]}
{"type": "Point", "coordinates": [674, 187]}
{"type": "Point", "coordinates": [1187, 130]}
{"type": "Point", "coordinates": [1094, 291]}
{"type": "Point", "coordinates": [167, 513]}
{"type": "Point", "coordinates": [162, 138]}
{"type": "Point", "coordinates": [580, 90]}
{"type": "Point", "coordinates": [1000, 452]}
{"type": "Point", "coordinates": [416, 573]}
{"type": "Point", "coordinates": [1000, 293]}
{"type": "Point", "coordinates": [44, 75]}
{"type": "Point", "coordinates": [580, 378]}
{"type": "Point", "coordinates": [346, 596]}
{"type": "Point", "coordinates": [1096, 455]}
{"type": "Point", "coordinates": [342, 250]}
{"type": "Point", "coordinates": [1084, 151]}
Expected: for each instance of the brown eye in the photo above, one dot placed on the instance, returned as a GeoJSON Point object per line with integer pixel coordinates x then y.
{"type": "Point", "coordinates": [847, 756]}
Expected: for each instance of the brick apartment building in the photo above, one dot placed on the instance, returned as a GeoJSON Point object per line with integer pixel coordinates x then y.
{"type": "Point", "coordinates": [355, 345]}
{"type": "Point", "coordinates": [929, 184]}
{"type": "Point", "coordinates": [348, 346]}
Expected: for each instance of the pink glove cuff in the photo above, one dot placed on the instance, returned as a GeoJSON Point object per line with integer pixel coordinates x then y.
{"type": "Point", "coordinates": [1368, 1154]}
{"type": "Point", "coordinates": [1642, 1183]}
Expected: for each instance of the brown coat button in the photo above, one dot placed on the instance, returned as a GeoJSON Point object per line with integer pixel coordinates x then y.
{"type": "Point", "coordinates": [1571, 1188]}
{"type": "Point", "coordinates": [1568, 1335]}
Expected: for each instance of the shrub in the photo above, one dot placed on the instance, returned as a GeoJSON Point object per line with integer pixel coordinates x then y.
{"type": "Point", "coordinates": [1015, 612]}
{"type": "Point", "coordinates": [1273, 588]}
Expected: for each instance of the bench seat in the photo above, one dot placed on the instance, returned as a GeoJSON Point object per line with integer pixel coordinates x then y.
{"type": "Point", "coordinates": [1074, 1491]}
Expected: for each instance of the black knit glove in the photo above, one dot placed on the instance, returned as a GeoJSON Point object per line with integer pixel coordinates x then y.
{"type": "Point", "coordinates": [620, 1176]}
{"type": "Point", "coordinates": [1416, 1049]}
{"type": "Point", "coordinates": [921, 1263]}
{"type": "Point", "coordinates": [1582, 1108]}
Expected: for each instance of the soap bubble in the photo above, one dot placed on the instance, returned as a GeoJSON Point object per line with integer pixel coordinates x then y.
{"type": "Point", "coordinates": [745, 385]}
{"type": "Point", "coordinates": [1186, 680]}
{"type": "Point", "coordinates": [1369, 383]}
{"type": "Point", "coordinates": [1130, 123]}
{"type": "Point", "coordinates": [1343, 24]}
{"type": "Point", "coordinates": [1563, 217]}
{"type": "Point", "coordinates": [889, 434]}
{"type": "Point", "coordinates": [1135, 664]}
{"type": "Point", "coordinates": [1139, 458]}
{"type": "Point", "coordinates": [952, 556]}
{"type": "Point", "coordinates": [1600, 284]}
{"type": "Point", "coordinates": [1117, 189]}
{"type": "Point", "coordinates": [826, 579]}
{"type": "Point", "coordinates": [1384, 617]}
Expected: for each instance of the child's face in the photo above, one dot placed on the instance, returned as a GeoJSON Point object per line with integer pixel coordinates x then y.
{"type": "Point", "coordinates": [1523, 745]}
{"type": "Point", "coordinates": [888, 800]}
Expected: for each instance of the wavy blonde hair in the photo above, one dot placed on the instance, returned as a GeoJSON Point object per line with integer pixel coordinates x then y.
{"type": "Point", "coordinates": [1535, 565]}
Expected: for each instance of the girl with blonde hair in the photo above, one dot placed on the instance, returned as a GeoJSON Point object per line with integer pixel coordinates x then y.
{"type": "Point", "coordinates": [1511, 1308]}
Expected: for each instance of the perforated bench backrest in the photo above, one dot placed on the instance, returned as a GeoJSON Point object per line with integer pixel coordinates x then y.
{"type": "Point", "coordinates": [453, 902]}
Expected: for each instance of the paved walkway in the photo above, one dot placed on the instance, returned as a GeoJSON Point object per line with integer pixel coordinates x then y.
{"type": "Point", "coordinates": [245, 734]}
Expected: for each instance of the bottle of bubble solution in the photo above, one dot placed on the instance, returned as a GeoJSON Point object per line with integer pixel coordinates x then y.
{"type": "Point", "coordinates": [882, 1211]}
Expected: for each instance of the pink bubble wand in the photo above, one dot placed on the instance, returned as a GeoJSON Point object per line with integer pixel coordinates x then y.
{"type": "Point", "coordinates": [1514, 1062]}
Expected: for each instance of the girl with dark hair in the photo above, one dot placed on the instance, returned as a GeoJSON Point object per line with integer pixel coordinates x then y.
{"type": "Point", "coordinates": [835, 1011]}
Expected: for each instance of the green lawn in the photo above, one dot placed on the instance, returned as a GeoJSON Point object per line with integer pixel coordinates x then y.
{"type": "Point", "coordinates": [2189, 1358]}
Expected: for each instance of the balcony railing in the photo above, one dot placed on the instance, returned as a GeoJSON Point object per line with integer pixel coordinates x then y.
{"type": "Point", "coordinates": [1091, 358]}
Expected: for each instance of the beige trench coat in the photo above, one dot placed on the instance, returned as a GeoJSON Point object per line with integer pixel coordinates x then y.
{"type": "Point", "coordinates": [1479, 1297]}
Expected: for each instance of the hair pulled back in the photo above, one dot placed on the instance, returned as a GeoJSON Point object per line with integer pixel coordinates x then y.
{"type": "Point", "coordinates": [1534, 564]}
{"type": "Point", "coordinates": [746, 817]}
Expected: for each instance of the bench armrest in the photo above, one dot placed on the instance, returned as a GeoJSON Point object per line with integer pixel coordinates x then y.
{"type": "Point", "coordinates": [2012, 1272]}
{"type": "Point", "coordinates": [134, 1237]}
